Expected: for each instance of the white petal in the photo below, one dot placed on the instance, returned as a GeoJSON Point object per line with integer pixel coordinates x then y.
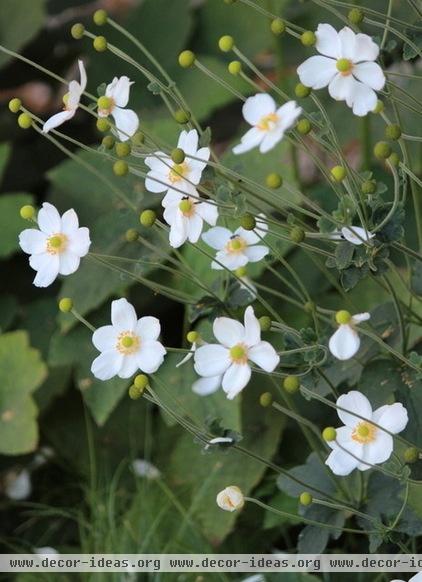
{"type": "Point", "coordinates": [235, 379]}
{"type": "Point", "coordinates": [365, 48]}
{"type": "Point", "coordinates": [356, 234]}
{"type": "Point", "coordinates": [341, 463]}
{"type": "Point", "coordinates": [160, 162]}
{"type": "Point", "coordinates": [57, 119]}
{"type": "Point", "coordinates": [49, 219]}
{"type": "Point", "coordinates": [327, 43]}
{"type": "Point", "coordinates": [70, 222]}
{"type": "Point", "coordinates": [199, 164]}
{"type": "Point", "coordinates": [74, 96]}
{"type": "Point", "coordinates": [178, 230]}
{"type": "Point", "coordinates": [370, 74]}
{"type": "Point", "coordinates": [256, 253]}
{"type": "Point", "coordinates": [188, 356]}
{"type": "Point", "coordinates": [194, 227]}
{"type": "Point", "coordinates": [378, 451]}
{"type": "Point", "coordinates": [19, 487]}
{"type": "Point", "coordinates": [257, 107]}
{"type": "Point", "coordinates": [217, 237]}
{"type": "Point", "coordinates": [228, 332]}
{"type": "Point", "coordinates": [362, 99]}
{"type": "Point", "coordinates": [126, 122]}
{"type": "Point", "coordinates": [107, 365]}
{"type": "Point", "coordinates": [344, 343]}
{"type": "Point", "coordinates": [156, 183]}
{"type": "Point", "coordinates": [288, 114]}
{"type": "Point", "coordinates": [208, 212]}
{"type": "Point", "coordinates": [393, 417]}
{"type": "Point", "coordinates": [206, 386]}
{"type": "Point", "coordinates": [231, 261]}
{"type": "Point", "coordinates": [347, 40]}
{"type": "Point", "coordinates": [317, 72]}
{"type": "Point", "coordinates": [354, 402]}
{"type": "Point", "coordinates": [150, 356]}
{"type": "Point", "coordinates": [69, 263]}
{"type": "Point", "coordinates": [123, 315]}
{"type": "Point", "coordinates": [79, 242]}
{"type": "Point", "coordinates": [82, 72]}
{"type": "Point", "coordinates": [105, 338]}
{"type": "Point", "coordinates": [252, 328]}
{"type": "Point", "coordinates": [47, 267]}
{"type": "Point", "coordinates": [119, 90]}
{"type": "Point", "coordinates": [271, 139]}
{"type": "Point", "coordinates": [211, 360]}
{"type": "Point", "coordinates": [250, 140]}
{"type": "Point", "coordinates": [360, 317]}
{"type": "Point", "coordinates": [129, 366]}
{"type": "Point", "coordinates": [264, 356]}
{"type": "Point", "coordinates": [417, 578]}
{"type": "Point", "coordinates": [143, 468]}
{"type": "Point", "coordinates": [32, 241]}
{"type": "Point", "coordinates": [188, 142]}
{"type": "Point", "coordinates": [341, 87]}
{"type": "Point", "coordinates": [148, 328]}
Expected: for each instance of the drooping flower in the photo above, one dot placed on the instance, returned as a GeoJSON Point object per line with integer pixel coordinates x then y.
{"type": "Point", "coordinates": [353, 234]}
{"type": "Point", "coordinates": [269, 123]}
{"type": "Point", "coordinates": [230, 499]}
{"type": "Point", "coordinates": [236, 249]}
{"type": "Point", "coordinates": [167, 176]}
{"type": "Point", "coordinates": [71, 102]}
{"type": "Point", "coordinates": [126, 120]}
{"type": "Point", "coordinates": [227, 363]}
{"type": "Point", "coordinates": [345, 342]}
{"type": "Point", "coordinates": [186, 216]}
{"type": "Point", "coordinates": [145, 469]}
{"type": "Point", "coordinates": [128, 344]}
{"type": "Point", "coordinates": [347, 65]}
{"type": "Point", "coordinates": [360, 442]}
{"type": "Point", "coordinates": [57, 247]}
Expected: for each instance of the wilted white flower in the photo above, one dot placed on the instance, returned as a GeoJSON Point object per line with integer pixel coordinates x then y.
{"type": "Point", "coordinates": [230, 499]}
{"type": "Point", "coordinates": [269, 123]}
{"type": "Point", "coordinates": [345, 342]}
{"type": "Point", "coordinates": [57, 247]}
{"type": "Point", "coordinates": [18, 485]}
{"type": "Point", "coordinates": [128, 345]}
{"type": "Point", "coordinates": [365, 442]}
{"type": "Point", "coordinates": [353, 234]}
{"type": "Point", "coordinates": [126, 120]}
{"type": "Point", "coordinates": [347, 66]}
{"type": "Point", "coordinates": [71, 102]}
{"type": "Point", "coordinates": [219, 441]}
{"type": "Point", "coordinates": [145, 469]}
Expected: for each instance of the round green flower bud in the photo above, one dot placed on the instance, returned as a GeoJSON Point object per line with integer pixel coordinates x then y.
{"type": "Point", "coordinates": [235, 67]}
{"type": "Point", "coordinates": [24, 121]}
{"type": "Point", "coordinates": [178, 156]}
{"type": "Point", "coordinates": [343, 317]}
{"type": "Point", "coordinates": [309, 307]}
{"type": "Point", "coordinates": [291, 384]}
{"type": "Point", "coordinates": [123, 149]}
{"type": "Point", "coordinates": [226, 43]}
{"type": "Point", "coordinates": [277, 26]}
{"type": "Point", "coordinates": [147, 218]}
{"type": "Point", "coordinates": [302, 91]}
{"type": "Point", "coordinates": [304, 126]}
{"type": "Point", "coordinates": [14, 105]}
{"type": "Point", "coordinates": [104, 102]}
{"type": "Point", "coordinates": [120, 168]}
{"type": "Point", "coordinates": [265, 323]}
{"type": "Point", "coordinates": [368, 187]}
{"type": "Point", "coordinates": [382, 150]}
{"type": "Point", "coordinates": [182, 116]}
{"type": "Point", "coordinates": [355, 16]}
{"type": "Point", "coordinates": [241, 272]}
{"type": "Point", "coordinates": [192, 336]}
{"type": "Point", "coordinates": [247, 221]}
{"type": "Point", "coordinates": [103, 124]}
{"type": "Point", "coordinates": [66, 305]}
{"type": "Point", "coordinates": [393, 132]}
{"type": "Point", "coordinates": [273, 181]}
{"type": "Point", "coordinates": [100, 44]}
{"type": "Point", "coordinates": [329, 434]}
{"type": "Point", "coordinates": [308, 38]}
{"type": "Point", "coordinates": [100, 17]}
{"type": "Point", "coordinates": [186, 59]}
{"type": "Point", "coordinates": [108, 142]}
{"type": "Point", "coordinates": [411, 455]}
{"type": "Point", "coordinates": [266, 399]}
{"type": "Point", "coordinates": [379, 107]}
{"type": "Point", "coordinates": [297, 234]}
{"type": "Point", "coordinates": [338, 173]}
{"type": "Point", "coordinates": [394, 159]}
{"type": "Point", "coordinates": [138, 139]}
{"type": "Point", "coordinates": [141, 381]}
{"type": "Point", "coordinates": [134, 392]}
{"type": "Point", "coordinates": [27, 212]}
{"type": "Point", "coordinates": [131, 235]}
{"type": "Point", "coordinates": [305, 498]}
{"type": "Point", "coordinates": [77, 30]}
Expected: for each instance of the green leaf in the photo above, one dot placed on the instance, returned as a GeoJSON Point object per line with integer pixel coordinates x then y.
{"type": "Point", "coordinates": [379, 380]}
{"type": "Point", "coordinates": [409, 52]}
{"type": "Point", "coordinates": [5, 150]}
{"type": "Point", "coordinates": [417, 277]}
{"type": "Point", "coordinates": [8, 310]}
{"type": "Point", "coordinates": [21, 372]}
{"type": "Point", "coordinates": [19, 23]}
{"type": "Point", "coordinates": [344, 254]}
{"type": "Point", "coordinates": [11, 223]}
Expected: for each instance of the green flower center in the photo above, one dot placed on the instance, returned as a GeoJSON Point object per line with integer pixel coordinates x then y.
{"type": "Point", "coordinates": [56, 243]}
{"type": "Point", "coordinates": [344, 66]}
{"type": "Point", "coordinates": [186, 206]}
{"type": "Point", "coordinates": [364, 432]}
{"type": "Point", "coordinates": [236, 245]}
{"type": "Point", "coordinates": [239, 354]}
{"type": "Point", "coordinates": [178, 172]}
{"type": "Point", "coordinates": [128, 343]}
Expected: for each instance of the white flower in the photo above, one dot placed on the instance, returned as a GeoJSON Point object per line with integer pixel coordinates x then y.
{"type": "Point", "coordinates": [71, 101]}
{"type": "Point", "coordinates": [128, 345]}
{"type": "Point", "coordinates": [18, 485]}
{"type": "Point", "coordinates": [345, 342]}
{"type": "Point", "coordinates": [167, 176]}
{"type": "Point", "coordinates": [416, 578]}
{"type": "Point", "coordinates": [145, 469]}
{"type": "Point", "coordinates": [353, 234]}
{"type": "Point", "coordinates": [365, 441]}
{"type": "Point", "coordinates": [186, 216]}
{"type": "Point", "coordinates": [269, 123]}
{"type": "Point", "coordinates": [46, 550]}
{"type": "Point", "coordinates": [236, 249]}
{"type": "Point", "coordinates": [57, 247]}
{"type": "Point", "coordinates": [230, 499]}
{"type": "Point", "coordinates": [228, 361]}
{"type": "Point", "coordinates": [126, 120]}
{"type": "Point", "coordinates": [347, 67]}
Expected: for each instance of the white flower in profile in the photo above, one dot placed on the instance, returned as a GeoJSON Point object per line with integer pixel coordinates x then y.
{"type": "Point", "coordinates": [128, 344]}
{"type": "Point", "coordinates": [186, 216]}
{"type": "Point", "coordinates": [230, 499]}
{"type": "Point", "coordinates": [236, 249]}
{"type": "Point", "coordinates": [167, 176]}
{"type": "Point", "coordinates": [356, 235]}
{"type": "Point", "coordinates": [347, 65]}
{"type": "Point", "coordinates": [71, 102]}
{"type": "Point", "coordinates": [360, 444]}
{"type": "Point", "coordinates": [57, 247]}
{"type": "Point", "coordinates": [345, 342]}
{"type": "Point", "coordinates": [18, 486]}
{"type": "Point", "coordinates": [228, 361]}
{"type": "Point", "coordinates": [269, 123]}
{"type": "Point", "coordinates": [145, 469]}
{"type": "Point", "coordinates": [126, 120]}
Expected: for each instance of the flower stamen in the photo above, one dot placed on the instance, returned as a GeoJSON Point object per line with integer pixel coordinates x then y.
{"type": "Point", "coordinates": [239, 354]}
{"type": "Point", "coordinates": [56, 243]}
{"type": "Point", "coordinates": [178, 172]}
{"type": "Point", "coordinates": [128, 343]}
{"type": "Point", "coordinates": [236, 245]}
{"type": "Point", "coordinates": [364, 432]}
{"type": "Point", "coordinates": [344, 66]}
{"type": "Point", "coordinates": [267, 122]}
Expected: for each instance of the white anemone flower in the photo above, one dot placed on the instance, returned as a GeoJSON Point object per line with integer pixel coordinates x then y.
{"type": "Point", "coordinates": [345, 342]}
{"type": "Point", "coordinates": [126, 120]}
{"type": "Point", "coordinates": [57, 247]}
{"type": "Point", "coordinates": [128, 344]}
{"type": "Point", "coordinates": [71, 102]}
{"type": "Point", "coordinates": [347, 65]}
{"type": "Point", "coordinates": [269, 123]}
{"type": "Point", "coordinates": [236, 249]}
{"type": "Point", "coordinates": [186, 216]}
{"type": "Point", "coordinates": [230, 499]}
{"type": "Point", "coordinates": [228, 361]}
{"type": "Point", "coordinates": [18, 486]}
{"type": "Point", "coordinates": [360, 444]}
{"type": "Point", "coordinates": [167, 176]}
{"type": "Point", "coordinates": [356, 235]}
{"type": "Point", "coordinates": [146, 470]}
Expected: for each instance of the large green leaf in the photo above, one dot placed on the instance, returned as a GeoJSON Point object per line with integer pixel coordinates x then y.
{"type": "Point", "coordinates": [19, 22]}
{"type": "Point", "coordinates": [11, 223]}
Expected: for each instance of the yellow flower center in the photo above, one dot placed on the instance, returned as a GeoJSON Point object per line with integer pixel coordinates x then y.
{"type": "Point", "coordinates": [128, 343]}
{"type": "Point", "coordinates": [178, 172]}
{"type": "Point", "coordinates": [344, 66]}
{"type": "Point", "coordinates": [267, 122]}
{"type": "Point", "coordinates": [236, 245]}
{"type": "Point", "coordinates": [239, 354]}
{"type": "Point", "coordinates": [187, 207]}
{"type": "Point", "coordinates": [364, 432]}
{"type": "Point", "coordinates": [56, 243]}
{"type": "Point", "coordinates": [106, 105]}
